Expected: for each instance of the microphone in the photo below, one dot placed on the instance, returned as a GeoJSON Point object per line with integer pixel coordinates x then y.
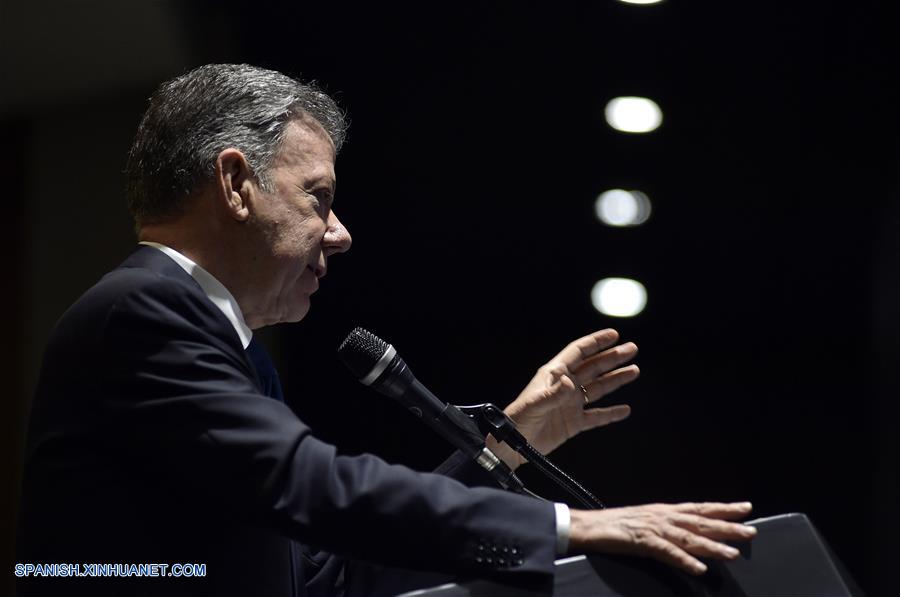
{"type": "Point", "coordinates": [375, 363]}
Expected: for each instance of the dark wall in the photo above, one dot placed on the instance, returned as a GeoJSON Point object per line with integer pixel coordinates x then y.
{"type": "Point", "coordinates": [768, 347]}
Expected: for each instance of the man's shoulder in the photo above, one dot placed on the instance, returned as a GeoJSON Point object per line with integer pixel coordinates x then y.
{"type": "Point", "coordinates": [132, 304]}
{"type": "Point", "coordinates": [140, 282]}
{"type": "Point", "coordinates": [147, 284]}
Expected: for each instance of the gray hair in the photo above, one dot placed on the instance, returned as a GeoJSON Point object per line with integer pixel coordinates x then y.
{"type": "Point", "coordinates": [193, 118]}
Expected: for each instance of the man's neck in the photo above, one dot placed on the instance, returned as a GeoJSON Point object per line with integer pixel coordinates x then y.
{"type": "Point", "coordinates": [222, 251]}
{"type": "Point", "coordinates": [215, 291]}
{"type": "Point", "coordinates": [188, 240]}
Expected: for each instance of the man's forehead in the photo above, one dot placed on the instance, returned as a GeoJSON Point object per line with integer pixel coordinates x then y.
{"type": "Point", "coordinates": [308, 150]}
{"type": "Point", "coordinates": [307, 128]}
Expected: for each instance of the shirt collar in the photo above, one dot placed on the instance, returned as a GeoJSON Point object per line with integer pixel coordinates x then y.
{"type": "Point", "coordinates": [214, 289]}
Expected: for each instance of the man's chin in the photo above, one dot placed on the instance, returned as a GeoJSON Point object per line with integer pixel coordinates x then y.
{"type": "Point", "coordinates": [297, 312]}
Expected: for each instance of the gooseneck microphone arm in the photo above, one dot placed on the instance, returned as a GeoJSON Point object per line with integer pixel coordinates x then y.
{"type": "Point", "coordinates": [491, 419]}
{"type": "Point", "coordinates": [375, 363]}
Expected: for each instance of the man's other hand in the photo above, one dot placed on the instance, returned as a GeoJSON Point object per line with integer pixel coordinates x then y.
{"type": "Point", "coordinates": [551, 408]}
{"type": "Point", "coordinates": [671, 533]}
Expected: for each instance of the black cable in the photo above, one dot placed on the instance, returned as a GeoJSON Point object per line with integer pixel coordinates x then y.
{"type": "Point", "coordinates": [528, 492]}
{"type": "Point", "coordinates": [559, 476]}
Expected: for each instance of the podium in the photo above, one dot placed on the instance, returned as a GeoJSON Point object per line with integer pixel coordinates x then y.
{"type": "Point", "coordinates": [787, 558]}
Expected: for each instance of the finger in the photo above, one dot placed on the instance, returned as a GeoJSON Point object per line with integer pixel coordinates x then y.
{"type": "Point", "coordinates": [697, 544]}
{"type": "Point", "coordinates": [713, 528]}
{"type": "Point", "coordinates": [611, 382]}
{"type": "Point", "coordinates": [604, 362]}
{"type": "Point", "coordinates": [585, 347]}
{"type": "Point", "coordinates": [670, 553]}
{"type": "Point", "coordinates": [732, 511]}
{"type": "Point", "coordinates": [598, 417]}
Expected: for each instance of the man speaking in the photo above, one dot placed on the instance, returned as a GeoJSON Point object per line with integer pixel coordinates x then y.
{"type": "Point", "coordinates": [158, 435]}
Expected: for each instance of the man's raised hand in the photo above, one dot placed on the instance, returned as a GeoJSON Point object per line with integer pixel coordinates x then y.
{"type": "Point", "coordinates": [551, 408]}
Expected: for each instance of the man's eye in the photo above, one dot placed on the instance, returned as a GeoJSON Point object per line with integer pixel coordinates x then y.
{"type": "Point", "coordinates": [324, 199]}
{"type": "Point", "coordinates": [321, 199]}
{"type": "Point", "coordinates": [316, 197]}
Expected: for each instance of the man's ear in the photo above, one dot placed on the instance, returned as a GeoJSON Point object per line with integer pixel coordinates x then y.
{"type": "Point", "coordinates": [234, 183]}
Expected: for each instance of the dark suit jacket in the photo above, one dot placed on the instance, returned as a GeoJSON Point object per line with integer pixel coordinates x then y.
{"type": "Point", "coordinates": [150, 441]}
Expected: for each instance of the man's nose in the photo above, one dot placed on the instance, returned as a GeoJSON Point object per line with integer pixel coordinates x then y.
{"type": "Point", "coordinates": [337, 237]}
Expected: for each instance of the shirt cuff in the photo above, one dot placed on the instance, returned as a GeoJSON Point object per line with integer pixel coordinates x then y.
{"type": "Point", "coordinates": [563, 523]}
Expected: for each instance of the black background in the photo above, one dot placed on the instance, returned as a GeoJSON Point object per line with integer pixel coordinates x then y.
{"type": "Point", "coordinates": [478, 145]}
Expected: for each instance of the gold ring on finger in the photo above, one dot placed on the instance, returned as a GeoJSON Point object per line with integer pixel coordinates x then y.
{"type": "Point", "coordinates": [584, 391]}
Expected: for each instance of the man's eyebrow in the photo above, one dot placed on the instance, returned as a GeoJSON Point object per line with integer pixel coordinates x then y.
{"type": "Point", "coordinates": [320, 182]}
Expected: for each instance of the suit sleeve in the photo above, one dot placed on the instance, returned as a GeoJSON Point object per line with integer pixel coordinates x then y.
{"type": "Point", "coordinates": [181, 391]}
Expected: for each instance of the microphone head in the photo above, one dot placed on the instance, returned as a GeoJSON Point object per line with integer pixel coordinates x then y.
{"type": "Point", "coordinates": [361, 352]}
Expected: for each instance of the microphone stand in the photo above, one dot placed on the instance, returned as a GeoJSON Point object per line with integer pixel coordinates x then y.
{"type": "Point", "coordinates": [491, 419]}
